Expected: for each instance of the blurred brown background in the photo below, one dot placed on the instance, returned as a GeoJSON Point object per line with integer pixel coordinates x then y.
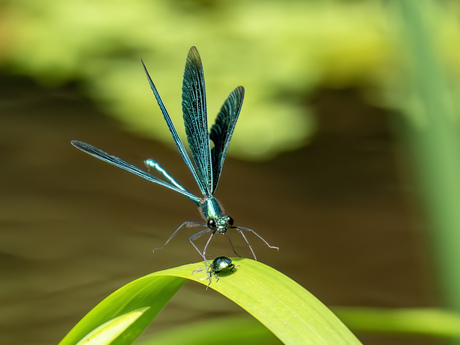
{"type": "Point", "coordinates": [339, 197]}
{"type": "Point", "coordinates": [75, 229]}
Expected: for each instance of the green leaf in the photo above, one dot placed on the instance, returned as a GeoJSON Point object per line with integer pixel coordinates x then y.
{"type": "Point", "coordinates": [403, 321]}
{"type": "Point", "coordinates": [151, 292]}
{"type": "Point", "coordinates": [226, 330]}
{"type": "Point", "coordinates": [110, 330]}
{"type": "Point", "coordinates": [293, 314]}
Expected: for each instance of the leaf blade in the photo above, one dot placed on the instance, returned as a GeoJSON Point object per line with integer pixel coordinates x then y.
{"type": "Point", "coordinates": [293, 314]}
{"type": "Point", "coordinates": [153, 291]}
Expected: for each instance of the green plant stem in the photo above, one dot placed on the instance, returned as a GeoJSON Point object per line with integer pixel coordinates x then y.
{"type": "Point", "coordinates": [432, 131]}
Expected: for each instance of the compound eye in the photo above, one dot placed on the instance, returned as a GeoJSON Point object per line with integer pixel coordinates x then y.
{"type": "Point", "coordinates": [229, 220]}
{"type": "Point", "coordinates": [211, 223]}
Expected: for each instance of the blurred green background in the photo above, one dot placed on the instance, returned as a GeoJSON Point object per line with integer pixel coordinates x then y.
{"type": "Point", "coordinates": [346, 153]}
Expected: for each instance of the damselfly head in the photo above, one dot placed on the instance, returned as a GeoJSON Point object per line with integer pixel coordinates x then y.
{"type": "Point", "coordinates": [220, 224]}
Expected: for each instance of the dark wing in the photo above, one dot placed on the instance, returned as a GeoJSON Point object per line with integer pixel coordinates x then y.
{"type": "Point", "coordinates": [180, 146]}
{"type": "Point", "coordinates": [195, 118]}
{"type": "Point", "coordinates": [222, 130]}
{"type": "Point", "coordinates": [95, 152]}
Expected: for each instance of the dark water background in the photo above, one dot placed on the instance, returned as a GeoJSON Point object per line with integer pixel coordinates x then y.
{"type": "Point", "coordinates": [343, 211]}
